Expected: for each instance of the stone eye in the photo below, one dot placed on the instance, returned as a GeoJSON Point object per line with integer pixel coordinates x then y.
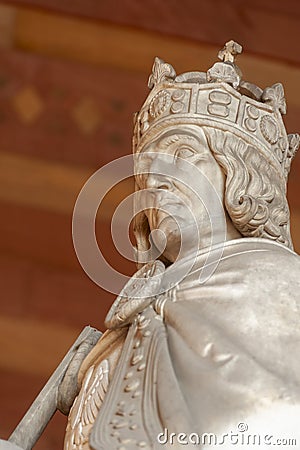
{"type": "Point", "coordinates": [184, 152]}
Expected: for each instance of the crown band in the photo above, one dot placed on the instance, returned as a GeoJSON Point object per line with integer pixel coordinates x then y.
{"type": "Point", "coordinates": [218, 98]}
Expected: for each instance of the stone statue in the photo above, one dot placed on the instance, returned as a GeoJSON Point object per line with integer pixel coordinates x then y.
{"type": "Point", "coordinates": [203, 342]}
{"type": "Point", "coordinates": [205, 336]}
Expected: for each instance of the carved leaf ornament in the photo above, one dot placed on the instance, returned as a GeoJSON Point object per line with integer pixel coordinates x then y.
{"type": "Point", "coordinates": [274, 95]}
{"type": "Point", "coordinates": [161, 71]}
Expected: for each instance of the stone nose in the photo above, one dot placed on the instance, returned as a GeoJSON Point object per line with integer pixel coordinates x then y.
{"type": "Point", "coordinates": [157, 178]}
{"type": "Point", "coordinates": [158, 181]}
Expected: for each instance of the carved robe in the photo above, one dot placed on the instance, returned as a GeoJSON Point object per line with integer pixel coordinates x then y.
{"type": "Point", "coordinates": [200, 358]}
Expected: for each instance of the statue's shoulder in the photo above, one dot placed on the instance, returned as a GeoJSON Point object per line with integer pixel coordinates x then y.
{"type": "Point", "coordinates": [270, 267]}
{"type": "Point", "coordinates": [272, 257]}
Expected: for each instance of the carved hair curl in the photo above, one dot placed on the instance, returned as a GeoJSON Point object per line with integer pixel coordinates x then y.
{"type": "Point", "coordinates": [255, 195]}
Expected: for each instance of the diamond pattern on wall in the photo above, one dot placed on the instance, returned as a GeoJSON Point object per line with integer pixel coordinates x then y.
{"type": "Point", "coordinates": [28, 104]}
{"type": "Point", "coordinates": [86, 115]}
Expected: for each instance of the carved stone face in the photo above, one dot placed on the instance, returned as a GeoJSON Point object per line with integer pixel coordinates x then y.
{"type": "Point", "coordinates": [178, 195]}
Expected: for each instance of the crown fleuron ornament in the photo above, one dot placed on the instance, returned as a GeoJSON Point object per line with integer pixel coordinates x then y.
{"type": "Point", "coordinates": [218, 98]}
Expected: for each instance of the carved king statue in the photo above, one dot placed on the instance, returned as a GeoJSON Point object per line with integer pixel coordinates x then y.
{"type": "Point", "coordinates": [206, 335]}
{"type": "Point", "coordinates": [203, 343]}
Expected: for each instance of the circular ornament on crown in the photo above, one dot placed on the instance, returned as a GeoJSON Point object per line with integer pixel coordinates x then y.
{"type": "Point", "coordinates": [269, 129]}
{"type": "Point", "coordinates": [177, 97]}
{"type": "Point", "coordinates": [178, 94]}
{"type": "Point", "coordinates": [253, 112]}
{"type": "Point", "coordinates": [250, 124]}
{"type": "Point", "coordinates": [159, 103]}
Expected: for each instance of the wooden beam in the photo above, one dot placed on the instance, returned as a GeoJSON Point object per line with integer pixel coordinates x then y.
{"type": "Point", "coordinates": [7, 22]}
{"type": "Point", "coordinates": [67, 111]}
{"type": "Point", "coordinates": [131, 11]}
{"type": "Point", "coordinates": [37, 235]}
{"type": "Point", "coordinates": [45, 237]}
{"type": "Point", "coordinates": [50, 186]}
{"type": "Point", "coordinates": [36, 291]}
{"type": "Point", "coordinates": [133, 49]}
{"type": "Point", "coordinates": [36, 204]}
{"type": "Point", "coordinates": [33, 347]}
{"type": "Point", "coordinates": [268, 27]}
{"type": "Point", "coordinates": [34, 182]}
{"type": "Point", "coordinates": [102, 43]}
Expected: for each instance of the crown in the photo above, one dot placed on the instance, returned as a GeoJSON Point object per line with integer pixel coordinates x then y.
{"type": "Point", "coordinates": [218, 98]}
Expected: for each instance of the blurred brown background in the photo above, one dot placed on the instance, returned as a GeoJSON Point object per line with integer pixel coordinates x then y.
{"type": "Point", "coordinates": [72, 73]}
